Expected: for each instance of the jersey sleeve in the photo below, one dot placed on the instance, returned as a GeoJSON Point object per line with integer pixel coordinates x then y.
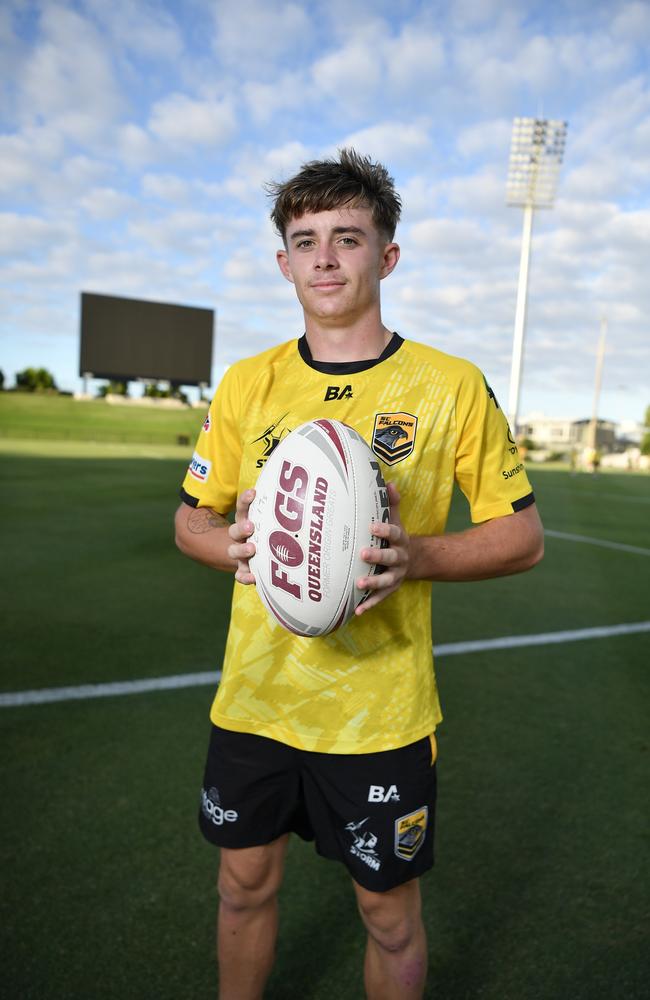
{"type": "Point", "coordinates": [489, 469]}
{"type": "Point", "coordinates": [212, 476]}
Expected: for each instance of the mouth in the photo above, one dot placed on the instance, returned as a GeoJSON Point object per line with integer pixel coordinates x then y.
{"type": "Point", "coordinates": [327, 284]}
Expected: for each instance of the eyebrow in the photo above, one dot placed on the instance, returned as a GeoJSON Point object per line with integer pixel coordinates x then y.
{"type": "Point", "coordinates": [337, 231]}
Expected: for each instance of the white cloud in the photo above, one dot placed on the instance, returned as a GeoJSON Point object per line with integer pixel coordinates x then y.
{"type": "Point", "coordinates": [285, 93]}
{"type": "Point", "coordinates": [147, 29]}
{"type": "Point", "coordinates": [105, 203]}
{"type": "Point", "coordinates": [135, 145]}
{"type": "Point", "coordinates": [23, 234]}
{"type": "Point", "coordinates": [165, 187]}
{"type": "Point", "coordinates": [24, 155]}
{"type": "Point", "coordinates": [391, 142]}
{"type": "Point", "coordinates": [485, 138]}
{"type": "Point", "coordinates": [68, 78]}
{"type": "Point", "coordinates": [181, 120]}
{"type": "Point", "coordinates": [252, 37]}
{"type": "Point", "coordinates": [351, 76]}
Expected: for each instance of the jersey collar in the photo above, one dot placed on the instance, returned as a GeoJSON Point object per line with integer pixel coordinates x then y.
{"type": "Point", "coordinates": [347, 367]}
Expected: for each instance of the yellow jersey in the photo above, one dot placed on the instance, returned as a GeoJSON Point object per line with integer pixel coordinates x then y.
{"type": "Point", "coordinates": [431, 419]}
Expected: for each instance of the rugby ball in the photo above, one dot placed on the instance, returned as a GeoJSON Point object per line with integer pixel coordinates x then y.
{"type": "Point", "coordinates": [315, 501]}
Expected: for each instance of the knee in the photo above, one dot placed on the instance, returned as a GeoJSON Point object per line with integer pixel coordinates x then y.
{"type": "Point", "coordinates": [392, 931]}
{"type": "Point", "coordinates": [247, 883]}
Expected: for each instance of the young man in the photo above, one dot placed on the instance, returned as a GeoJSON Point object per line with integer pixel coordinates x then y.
{"type": "Point", "coordinates": [333, 737]}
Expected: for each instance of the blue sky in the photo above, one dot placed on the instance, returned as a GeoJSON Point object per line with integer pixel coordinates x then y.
{"type": "Point", "coordinates": [136, 137]}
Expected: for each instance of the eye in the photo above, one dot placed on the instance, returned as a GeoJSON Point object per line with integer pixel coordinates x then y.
{"type": "Point", "coordinates": [304, 244]}
{"type": "Point", "coordinates": [348, 241]}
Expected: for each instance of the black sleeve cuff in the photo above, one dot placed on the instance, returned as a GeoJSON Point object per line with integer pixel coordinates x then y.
{"type": "Point", "coordinates": [517, 505]}
{"type": "Point", "coordinates": [192, 501]}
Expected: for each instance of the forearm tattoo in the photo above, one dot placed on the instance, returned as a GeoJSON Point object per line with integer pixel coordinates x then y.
{"type": "Point", "coordinates": [205, 519]}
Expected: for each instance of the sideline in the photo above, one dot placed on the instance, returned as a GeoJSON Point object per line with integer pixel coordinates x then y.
{"type": "Point", "coordinates": [597, 541]}
{"type": "Point", "coordinates": [12, 699]}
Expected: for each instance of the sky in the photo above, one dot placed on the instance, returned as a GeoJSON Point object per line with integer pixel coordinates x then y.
{"type": "Point", "coordinates": [136, 138]}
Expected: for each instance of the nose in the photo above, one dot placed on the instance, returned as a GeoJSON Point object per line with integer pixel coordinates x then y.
{"type": "Point", "coordinates": [325, 258]}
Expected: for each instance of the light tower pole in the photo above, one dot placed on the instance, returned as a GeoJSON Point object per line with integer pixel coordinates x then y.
{"type": "Point", "coordinates": [536, 153]}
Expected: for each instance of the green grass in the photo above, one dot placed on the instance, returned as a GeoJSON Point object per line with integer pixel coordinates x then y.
{"type": "Point", "coordinates": [61, 418]}
{"type": "Point", "coordinates": [108, 889]}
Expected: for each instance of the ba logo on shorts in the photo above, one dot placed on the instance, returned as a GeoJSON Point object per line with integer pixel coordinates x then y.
{"type": "Point", "coordinates": [393, 436]}
{"type": "Point", "coordinates": [410, 832]}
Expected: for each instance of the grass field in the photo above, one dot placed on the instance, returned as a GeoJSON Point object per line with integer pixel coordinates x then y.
{"type": "Point", "coordinates": [540, 887]}
{"type": "Point", "coordinates": [61, 418]}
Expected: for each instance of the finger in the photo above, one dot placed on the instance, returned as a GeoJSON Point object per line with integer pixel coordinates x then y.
{"type": "Point", "coordinates": [244, 500]}
{"type": "Point", "coordinates": [244, 576]}
{"type": "Point", "coordinates": [385, 557]}
{"type": "Point", "coordinates": [371, 601]}
{"type": "Point", "coordinates": [394, 495]}
{"type": "Point", "coordinates": [392, 532]}
{"type": "Point", "coordinates": [241, 552]}
{"type": "Point", "coordinates": [377, 581]}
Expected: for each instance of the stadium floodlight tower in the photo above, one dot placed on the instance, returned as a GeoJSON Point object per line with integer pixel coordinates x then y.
{"type": "Point", "coordinates": [536, 153]}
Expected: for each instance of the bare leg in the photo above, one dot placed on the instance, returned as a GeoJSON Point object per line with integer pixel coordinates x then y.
{"type": "Point", "coordinates": [396, 952]}
{"type": "Point", "coordinates": [249, 880]}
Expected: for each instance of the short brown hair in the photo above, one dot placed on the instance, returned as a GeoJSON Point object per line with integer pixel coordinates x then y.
{"type": "Point", "coordinates": [322, 185]}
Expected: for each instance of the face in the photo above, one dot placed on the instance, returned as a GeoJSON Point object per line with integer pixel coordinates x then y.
{"type": "Point", "coordinates": [336, 260]}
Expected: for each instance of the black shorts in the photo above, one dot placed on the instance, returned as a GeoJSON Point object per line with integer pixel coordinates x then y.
{"type": "Point", "coordinates": [374, 812]}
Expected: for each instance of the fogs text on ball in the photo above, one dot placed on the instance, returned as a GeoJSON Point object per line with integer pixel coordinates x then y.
{"type": "Point", "coordinates": [316, 499]}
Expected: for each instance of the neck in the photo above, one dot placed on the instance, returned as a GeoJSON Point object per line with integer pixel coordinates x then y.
{"type": "Point", "coordinates": [347, 344]}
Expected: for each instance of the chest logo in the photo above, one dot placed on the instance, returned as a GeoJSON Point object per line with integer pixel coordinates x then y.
{"type": "Point", "coordinates": [393, 436]}
{"type": "Point", "coordinates": [338, 392]}
{"type": "Point", "coordinates": [269, 439]}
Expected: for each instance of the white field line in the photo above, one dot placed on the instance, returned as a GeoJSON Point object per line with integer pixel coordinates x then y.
{"type": "Point", "coordinates": [637, 550]}
{"type": "Point", "coordinates": [209, 677]}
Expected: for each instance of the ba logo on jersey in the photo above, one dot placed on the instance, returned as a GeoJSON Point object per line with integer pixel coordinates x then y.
{"type": "Point", "coordinates": [410, 831]}
{"type": "Point", "coordinates": [338, 392]}
{"type": "Point", "coordinates": [393, 436]}
{"type": "Point", "coordinates": [206, 423]}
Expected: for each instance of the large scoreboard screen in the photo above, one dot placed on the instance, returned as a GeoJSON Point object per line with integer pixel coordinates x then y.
{"type": "Point", "coordinates": [126, 339]}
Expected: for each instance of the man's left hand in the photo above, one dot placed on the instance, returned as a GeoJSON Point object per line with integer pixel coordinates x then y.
{"type": "Point", "coordinates": [394, 559]}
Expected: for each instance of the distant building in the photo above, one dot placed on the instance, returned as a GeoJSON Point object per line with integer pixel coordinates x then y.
{"type": "Point", "coordinates": [605, 434]}
{"type": "Point", "coordinates": [563, 434]}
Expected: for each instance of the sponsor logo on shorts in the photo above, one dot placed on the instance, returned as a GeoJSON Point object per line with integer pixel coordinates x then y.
{"type": "Point", "coordinates": [211, 808]}
{"type": "Point", "coordinates": [378, 793]}
{"type": "Point", "coordinates": [199, 467]}
{"type": "Point", "coordinates": [393, 436]}
{"type": "Point", "coordinates": [410, 831]}
{"type": "Point", "coordinates": [364, 844]}
{"type": "Point", "coordinates": [206, 423]}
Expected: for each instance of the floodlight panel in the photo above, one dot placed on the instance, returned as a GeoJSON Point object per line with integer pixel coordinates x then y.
{"type": "Point", "coordinates": [536, 154]}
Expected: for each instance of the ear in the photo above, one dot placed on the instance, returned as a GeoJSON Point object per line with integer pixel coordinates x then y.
{"type": "Point", "coordinates": [389, 260]}
{"type": "Point", "coordinates": [282, 258]}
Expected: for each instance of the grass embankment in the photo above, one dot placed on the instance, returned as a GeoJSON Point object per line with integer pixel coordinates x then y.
{"type": "Point", "coordinates": [29, 416]}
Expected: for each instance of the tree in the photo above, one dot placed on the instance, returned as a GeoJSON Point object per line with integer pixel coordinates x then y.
{"type": "Point", "coordinates": [645, 440]}
{"type": "Point", "coordinates": [2, 380]}
{"type": "Point", "coordinates": [114, 389]}
{"type": "Point", "coordinates": [35, 380]}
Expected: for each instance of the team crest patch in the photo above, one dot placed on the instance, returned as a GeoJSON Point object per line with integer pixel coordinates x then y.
{"type": "Point", "coordinates": [393, 436]}
{"type": "Point", "coordinates": [206, 423]}
{"type": "Point", "coordinates": [410, 832]}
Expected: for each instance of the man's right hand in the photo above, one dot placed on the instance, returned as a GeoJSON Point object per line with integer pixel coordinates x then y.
{"type": "Point", "coordinates": [242, 528]}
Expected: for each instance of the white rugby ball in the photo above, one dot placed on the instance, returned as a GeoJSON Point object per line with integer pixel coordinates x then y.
{"type": "Point", "coordinates": [315, 501]}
